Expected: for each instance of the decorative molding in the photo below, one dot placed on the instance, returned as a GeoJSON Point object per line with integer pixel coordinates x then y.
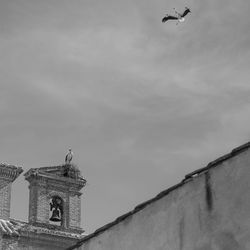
{"type": "Point", "coordinates": [8, 173]}
{"type": "Point", "coordinates": [55, 176]}
{"type": "Point", "coordinates": [39, 227]}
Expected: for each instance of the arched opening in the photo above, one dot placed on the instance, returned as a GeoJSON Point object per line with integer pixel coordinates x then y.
{"type": "Point", "coordinates": [56, 211]}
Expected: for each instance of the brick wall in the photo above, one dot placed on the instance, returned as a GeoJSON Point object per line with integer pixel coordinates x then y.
{"type": "Point", "coordinates": [5, 194]}
{"type": "Point", "coordinates": [39, 202]}
{"type": "Point", "coordinates": [40, 233]}
{"type": "Point", "coordinates": [74, 211]}
{"type": "Point", "coordinates": [42, 206]}
{"type": "Point", "coordinates": [32, 204]}
{"type": "Point", "coordinates": [8, 174]}
{"type": "Point", "coordinates": [49, 182]}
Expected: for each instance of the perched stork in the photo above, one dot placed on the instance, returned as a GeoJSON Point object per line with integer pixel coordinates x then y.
{"type": "Point", "coordinates": [179, 17]}
{"type": "Point", "coordinates": [69, 157]}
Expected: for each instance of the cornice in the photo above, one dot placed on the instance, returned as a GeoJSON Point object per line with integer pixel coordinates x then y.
{"type": "Point", "coordinates": [26, 229]}
{"type": "Point", "coordinates": [9, 172]}
{"type": "Point", "coordinates": [39, 175]}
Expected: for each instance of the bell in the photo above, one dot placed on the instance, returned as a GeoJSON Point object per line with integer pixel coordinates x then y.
{"type": "Point", "coordinates": [55, 215]}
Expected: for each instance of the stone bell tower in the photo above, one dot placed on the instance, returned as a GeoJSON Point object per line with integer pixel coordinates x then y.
{"type": "Point", "coordinates": [55, 197]}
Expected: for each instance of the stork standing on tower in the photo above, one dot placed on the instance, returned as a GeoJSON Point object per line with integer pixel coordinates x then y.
{"type": "Point", "coordinates": [69, 157]}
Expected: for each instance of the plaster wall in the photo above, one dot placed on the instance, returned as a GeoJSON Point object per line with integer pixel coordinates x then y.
{"type": "Point", "coordinates": [42, 205]}
{"type": "Point", "coordinates": [208, 212]}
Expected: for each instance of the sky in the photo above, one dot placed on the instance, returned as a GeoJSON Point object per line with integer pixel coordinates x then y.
{"type": "Point", "coordinates": [141, 103]}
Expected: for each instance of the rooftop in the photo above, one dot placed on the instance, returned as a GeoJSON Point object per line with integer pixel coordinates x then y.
{"type": "Point", "coordinates": [188, 177]}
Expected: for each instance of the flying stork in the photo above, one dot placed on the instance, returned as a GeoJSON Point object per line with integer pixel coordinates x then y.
{"type": "Point", "coordinates": [69, 157]}
{"type": "Point", "coordinates": [179, 17]}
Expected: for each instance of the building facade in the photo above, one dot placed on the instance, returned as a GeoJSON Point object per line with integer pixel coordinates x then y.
{"type": "Point", "coordinates": [54, 209]}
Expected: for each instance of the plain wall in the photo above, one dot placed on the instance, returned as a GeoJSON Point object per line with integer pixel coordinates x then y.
{"type": "Point", "coordinates": [209, 212]}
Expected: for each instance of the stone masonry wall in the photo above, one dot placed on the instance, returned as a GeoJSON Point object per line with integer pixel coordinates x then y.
{"type": "Point", "coordinates": [3, 182]}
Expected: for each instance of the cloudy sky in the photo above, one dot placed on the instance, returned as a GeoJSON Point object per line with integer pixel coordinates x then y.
{"type": "Point", "coordinates": [141, 103]}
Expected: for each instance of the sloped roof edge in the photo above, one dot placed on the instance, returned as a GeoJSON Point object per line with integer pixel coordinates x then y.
{"type": "Point", "coordinates": [187, 178]}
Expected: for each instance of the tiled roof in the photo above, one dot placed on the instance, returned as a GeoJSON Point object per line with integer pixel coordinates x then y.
{"type": "Point", "coordinates": [8, 167]}
{"type": "Point", "coordinates": [187, 178]}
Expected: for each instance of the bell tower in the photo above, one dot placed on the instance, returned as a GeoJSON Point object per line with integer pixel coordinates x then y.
{"type": "Point", "coordinates": [55, 197]}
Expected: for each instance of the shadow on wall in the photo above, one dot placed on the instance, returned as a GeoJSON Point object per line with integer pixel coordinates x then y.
{"type": "Point", "coordinates": [222, 241]}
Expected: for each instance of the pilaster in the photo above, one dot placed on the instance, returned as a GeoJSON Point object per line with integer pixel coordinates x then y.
{"type": "Point", "coordinates": [8, 173]}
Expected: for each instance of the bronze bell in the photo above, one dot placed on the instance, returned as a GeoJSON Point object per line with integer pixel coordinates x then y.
{"type": "Point", "coordinates": [55, 215]}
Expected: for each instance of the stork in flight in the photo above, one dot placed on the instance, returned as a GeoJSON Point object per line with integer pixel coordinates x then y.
{"type": "Point", "coordinates": [179, 17]}
{"type": "Point", "coordinates": [69, 157]}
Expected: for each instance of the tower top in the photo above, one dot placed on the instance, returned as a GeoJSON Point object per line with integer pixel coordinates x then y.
{"type": "Point", "coordinates": [55, 197]}
{"type": "Point", "coordinates": [66, 173]}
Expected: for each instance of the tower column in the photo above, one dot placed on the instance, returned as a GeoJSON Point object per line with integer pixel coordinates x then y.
{"type": "Point", "coordinates": [8, 174]}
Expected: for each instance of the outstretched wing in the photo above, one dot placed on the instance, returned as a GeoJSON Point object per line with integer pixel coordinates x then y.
{"type": "Point", "coordinates": [186, 11]}
{"type": "Point", "coordinates": [166, 18]}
